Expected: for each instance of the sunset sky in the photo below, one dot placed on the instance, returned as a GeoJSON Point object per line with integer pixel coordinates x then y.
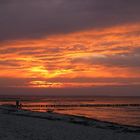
{"type": "Point", "coordinates": [60, 44]}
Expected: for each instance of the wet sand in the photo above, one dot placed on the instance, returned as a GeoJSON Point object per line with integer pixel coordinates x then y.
{"type": "Point", "coordinates": [27, 125]}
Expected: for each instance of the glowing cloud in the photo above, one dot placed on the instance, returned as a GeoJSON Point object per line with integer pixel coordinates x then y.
{"type": "Point", "coordinates": [87, 58]}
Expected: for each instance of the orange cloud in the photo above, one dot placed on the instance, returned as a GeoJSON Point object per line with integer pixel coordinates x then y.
{"type": "Point", "coordinates": [108, 53]}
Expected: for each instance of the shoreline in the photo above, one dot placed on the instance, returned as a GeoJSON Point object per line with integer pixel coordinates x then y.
{"type": "Point", "coordinates": [76, 119]}
{"type": "Point", "coordinates": [82, 116]}
{"type": "Point", "coordinates": [24, 124]}
{"type": "Point", "coordinates": [102, 121]}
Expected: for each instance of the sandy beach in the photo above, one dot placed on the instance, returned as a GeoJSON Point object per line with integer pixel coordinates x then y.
{"type": "Point", "coordinates": [26, 125]}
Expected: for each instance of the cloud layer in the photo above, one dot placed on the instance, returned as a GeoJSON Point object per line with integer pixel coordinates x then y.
{"type": "Point", "coordinates": [33, 19]}
{"type": "Point", "coordinates": [83, 59]}
{"type": "Point", "coordinates": [70, 44]}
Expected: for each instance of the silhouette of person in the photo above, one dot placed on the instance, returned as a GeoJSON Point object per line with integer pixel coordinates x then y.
{"type": "Point", "coordinates": [17, 104]}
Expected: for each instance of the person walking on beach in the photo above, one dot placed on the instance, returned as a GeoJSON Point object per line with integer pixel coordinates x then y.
{"type": "Point", "coordinates": [18, 105]}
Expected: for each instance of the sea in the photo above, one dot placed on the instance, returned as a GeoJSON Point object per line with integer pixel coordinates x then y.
{"type": "Point", "coordinates": [121, 110]}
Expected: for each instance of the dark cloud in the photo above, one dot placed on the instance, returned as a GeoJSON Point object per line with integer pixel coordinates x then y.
{"type": "Point", "coordinates": [95, 80]}
{"type": "Point", "coordinates": [11, 50]}
{"type": "Point", "coordinates": [24, 18]}
{"type": "Point", "coordinates": [18, 86]}
{"type": "Point", "coordinates": [9, 82]}
{"type": "Point", "coordinates": [127, 90]}
{"type": "Point", "coordinates": [24, 82]}
{"type": "Point", "coordinates": [136, 50]}
{"type": "Point", "coordinates": [116, 60]}
{"type": "Point", "coordinates": [10, 63]}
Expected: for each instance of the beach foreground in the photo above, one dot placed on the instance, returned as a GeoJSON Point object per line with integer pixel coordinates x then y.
{"type": "Point", "coordinates": [26, 125]}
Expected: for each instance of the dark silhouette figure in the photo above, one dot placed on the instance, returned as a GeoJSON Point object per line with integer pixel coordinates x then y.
{"type": "Point", "coordinates": [18, 105]}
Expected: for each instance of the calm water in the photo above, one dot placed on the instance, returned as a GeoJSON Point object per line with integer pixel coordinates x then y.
{"type": "Point", "coordinates": [124, 115]}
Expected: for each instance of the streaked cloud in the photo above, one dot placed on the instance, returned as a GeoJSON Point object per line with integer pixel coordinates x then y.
{"type": "Point", "coordinates": [82, 59]}
{"type": "Point", "coordinates": [118, 60]}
